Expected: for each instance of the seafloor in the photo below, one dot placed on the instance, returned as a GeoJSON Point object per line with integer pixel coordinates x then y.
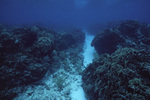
{"type": "Point", "coordinates": [38, 63]}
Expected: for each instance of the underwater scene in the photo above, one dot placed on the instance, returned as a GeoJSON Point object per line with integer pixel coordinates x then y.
{"type": "Point", "coordinates": [74, 49]}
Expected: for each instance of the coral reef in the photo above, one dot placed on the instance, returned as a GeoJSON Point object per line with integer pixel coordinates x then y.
{"type": "Point", "coordinates": [67, 66]}
{"type": "Point", "coordinates": [26, 54]}
{"type": "Point", "coordinates": [122, 71]}
{"type": "Point", "coordinates": [128, 34]}
{"type": "Point", "coordinates": [70, 39]}
{"type": "Point", "coordinates": [123, 75]}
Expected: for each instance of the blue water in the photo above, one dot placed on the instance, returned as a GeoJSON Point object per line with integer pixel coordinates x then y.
{"type": "Point", "coordinates": [72, 12]}
{"type": "Point", "coordinates": [68, 13]}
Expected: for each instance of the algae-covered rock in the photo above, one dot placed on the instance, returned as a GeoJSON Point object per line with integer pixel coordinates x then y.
{"type": "Point", "coordinates": [128, 34]}
{"type": "Point", "coordinates": [27, 53]}
{"type": "Point", "coordinates": [122, 71]}
{"type": "Point", "coordinates": [123, 75]}
{"type": "Point", "coordinates": [19, 66]}
{"type": "Point", "coordinates": [129, 28]}
{"type": "Point", "coordinates": [44, 46]}
{"type": "Point", "coordinates": [70, 39]}
{"type": "Point", "coordinates": [107, 42]}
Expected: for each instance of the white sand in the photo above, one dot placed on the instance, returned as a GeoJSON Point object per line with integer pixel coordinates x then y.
{"type": "Point", "coordinates": [72, 87]}
{"type": "Point", "coordinates": [88, 50]}
{"type": "Point", "coordinates": [77, 92]}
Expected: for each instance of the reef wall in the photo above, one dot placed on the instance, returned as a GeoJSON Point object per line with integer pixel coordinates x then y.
{"type": "Point", "coordinates": [122, 71]}
{"type": "Point", "coordinates": [27, 53]}
{"type": "Point", "coordinates": [128, 34]}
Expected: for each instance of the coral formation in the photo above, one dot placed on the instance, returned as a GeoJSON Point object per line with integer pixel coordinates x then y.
{"type": "Point", "coordinates": [128, 34]}
{"type": "Point", "coordinates": [122, 75]}
{"type": "Point", "coordinates": [26, 54]}
{"type": "Point", "coordinates": [69, 39]}
{"type": "Point", "coordinates": [122, 70]}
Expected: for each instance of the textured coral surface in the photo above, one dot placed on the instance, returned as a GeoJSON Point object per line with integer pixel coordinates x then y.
{"type": "Point", "coordinates": [122, 71]}
{"type": "Point", "coordinates": [27, 53]}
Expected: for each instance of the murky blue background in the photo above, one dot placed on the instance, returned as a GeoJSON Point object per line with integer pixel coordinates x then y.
{"type": "Point", "coordinates": [72, 12]}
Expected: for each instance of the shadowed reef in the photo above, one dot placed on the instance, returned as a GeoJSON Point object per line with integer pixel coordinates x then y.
{"type": "Point", "coordinates": [122, 71]}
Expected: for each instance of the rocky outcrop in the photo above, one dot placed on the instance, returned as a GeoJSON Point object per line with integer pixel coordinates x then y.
{"type": "Point", "coordinates": [122, 71]}
{"type": "Point", "coordinates": [127, 34]}
{"type": "Point", "coordinates": [70, 39]}
{"type": "Point", "coordinates": [20, 62]}
{"type": "Point", "coordinates": [123, 75]}
{"type": "Point", "coordinates": [26, 54]}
